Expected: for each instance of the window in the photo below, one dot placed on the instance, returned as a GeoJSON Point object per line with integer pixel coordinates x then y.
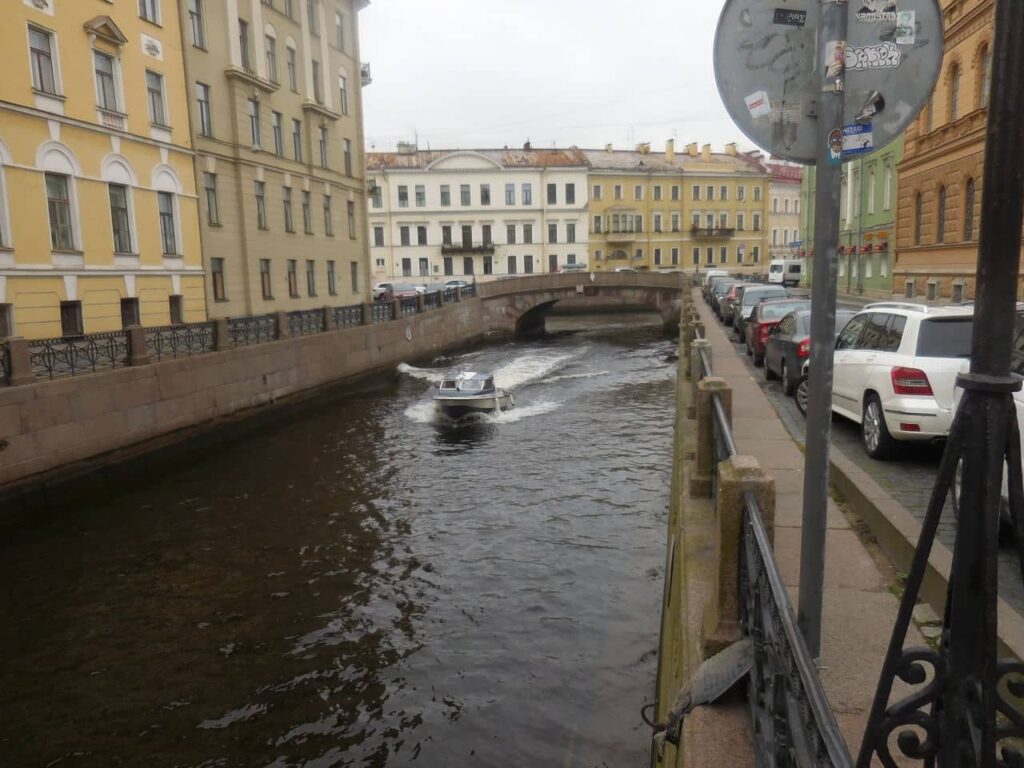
{"type": "Point", "coordinates": [485, 194]}
{"type": "Point", "coordinates": [119, 218]}
{"type": "Point", "coordinates": [254, 122]}
{"type": "Point", "coordinates": [675, 222]}
{"type": "Point", "coordinates": [741, 193]}
{"type": "Point", "coordinates": [165, 204]}
{"type": "Point", "coordinates": [446, 234]}
{"type": "Point", "coordinates": [617, 191]}
{"type": "Point", "coordinates": [775, 236]}
{"type": "Point", "coordinates": [657, 192]}
{"type": "Point", "coordinates": [313, 14]}
{"type": "Point", "coordinates": [353, 270]}
{"type": "Point", "coordinates": [675, 257]}
{"type": "Point", "coordinates": [310, 277]}
{"type": "Point", "coordinates": [332, 286]}
{"type": "Point", "coordinates": [293, 81]}
{"type": "Point", "coordinates": [638, 192]}
{"type": "Point", "coordinates": [940, 230]}
{"type": "Point", "coordinates": [195, 22]}
{"type": "Point", "coordinates": [217, 274]}
{"type": "Point", "coordinates": [278, 125]}
{"type": "Point", "coordinates": [570, 194]}
{"type": "Point", "coordinates": [597, 192]}
{"type": "Point", "coordinates": [657, 257]}
{"type": "Point", "coordinates": [597, 225]}
{"type": "Point", "coordinates": [424, 265]}
{"type": "Point", "coordinates": [511, 269]}
{"type": "Point", "coordinates": [467, 236]}
{"type": "Point", "coordinates": [176, 309]}
{"type": "Point", "coordinates": [552, 233]}
{"type": "Point", "coordinates": [317, 95]}
{"type": "Point", "coordinates": [243, 42]}
{"type": "Point", "coordinates": [339, 30]}
{"type": "Point", "coordinates": [286, 202]}
{"type": "Point", "coordinates": [328, 219]}
{"type": "Point", "coordinates": [41, 54]}
{"type": "Point", "coordinates": [954, 92]}
{"type": "Point", "coordinates": [657, 222]}
{"type": "Point", "coordinates": [871, 190]}
{"type": "Point", "coordinates": [270, 51]}
{"type": "Point", "coordinates": [323, 146]}
{"type": "Point", "coordinates": [71, 318]}
{"type": "Point", "coordinates": [740, 222]}
{"type": "Point", "coordinates": [675, 191]}
{"type": "Point", "coordinates": [106, 88]}
{"type": "Point", "coordinates": [528, 264]}
{"type": "Point", "coordinates": [929, 115]}
{"type": "Point", "coordinates": [775, 205]}
{"type": "Point", "coordinates": [723, 254]}
{"type": "Point", "coordinates": [918, 217]}
{"type": "Point", "coordinates": [528, 234]}
{"type": "Point", "coordinates": [297, 139]}
{"type": "Point", "coordinates": [985, 74]}
{"type": "Point", "coordinates": [446, 195]}
{"type": "Point", "coordinates": [598, 255]}
{"type": "Point", "coordinates": [696, 256]}
{"type": "Point", "coordinates": [62, 237]}
{"type": "Point", "coordinates": [350, 210]}
{"type": "Point", "coordinates": [265, 284]}
{"type": "Point", "coordinates": [343, 86]}
{"type": "Point", "coordinates": [421, 235]}
{"type": "Point", "coordinates": [710, 192]}
{"type": "Point", "coordinates": [510, 234]}
{"type": "Point", "coordinates": [212, 209]}
{"type": "Point", "coordinates": [293, 279]}
{"type": "Point", "coordinates": [376, 197]}
{"type": "Point", "coordinates": [464, 194]}
{"type": "Point", "coordinates": [486, 232]}
{"type": "Point", "coordinates": [150, 10]}
{"type": "Point", "coordinates": [756, 253]}
{"type": "Point", "coordinates": [205, 115]}
{"type": "Point", "coordinates": [723, 194]}
{"type": "Point", "coordinates": [155, 95]}
{"type": "Point", "coordinates": [527, 190]}
{"type": "Point", "coordinates": [378, 237]}
{"type": "Point", "coordinates": [757, 194]}
{"type": "Point", "coordinates": [488, 265]}
{"type": "Point", "coordinates": [510, 194]}
{"type": "Point", "coordinates": [757, 221]}
{"type": "Point", "coordinates": [570, 233]}
{"type": "Point", "coordinates": [403, 196]}
{"type": "Point", "coordinates": [552, 194]}
{"type": "Point", "coordinates": [887, 181]}
{"type": "Point", "coordinates": [969, 210]}
{"type": "Point", "coordinates": [307, 213]}
{"type": "Point", "coordinates": [696, 192]}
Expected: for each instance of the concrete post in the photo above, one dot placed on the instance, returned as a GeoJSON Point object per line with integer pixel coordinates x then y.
{"type": "Point", "coordinates": [420, 301]}
{"type": "Point", "coordinates": [283, 332]}
{"type": "Point", "coordinates": [703, 472]}
{"type": "Point", "coordinates": [329, 324]}
{"type": "Point", "coordinates": [221, 339]}
{"type": "Point", "coordinates": [20, 362]}
{"type": "Point", "coordinates": [695, 364]}
{"type": "Point", "coordinates": [367, 314]}
{"type": "Point", "coordinates": [736, 476]}
{"type": "Point", "coordinates": [458, 293]}
{"type": "Point", "coordinates": [137, 354]}
{"type": "Point", "coordinates": [396, 309]}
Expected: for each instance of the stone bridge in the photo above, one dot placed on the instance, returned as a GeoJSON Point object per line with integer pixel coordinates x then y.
{"type": "Point", "coordinates": [519, 305]}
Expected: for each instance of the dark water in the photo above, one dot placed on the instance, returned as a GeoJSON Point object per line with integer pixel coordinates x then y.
{"type": "Point", "coordinates": [357, 585]}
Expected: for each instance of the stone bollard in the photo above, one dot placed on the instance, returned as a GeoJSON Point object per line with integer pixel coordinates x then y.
{"type": "Point", "coordinates": [396, 309]}
{"type": "Point", "coordinates": [703, 472]}
{"type": "Point", "coordinates": [283, 331]}
{"type": "Point", "coordinates": [329, 324]}
{"type": "Point", "coordinates": [736, 476]}
{"type": "Point", "coordinates": [221, 337]}
{"type": "Point", "coordinates": [137, 352]}
{"type": "Point", "coordinates": [696, 371]}
{"type": "Point", "coordinates": [368, 314]}
{"type": "Point", "coordinates": [420, 302]}
{"type": "Point", "coordinates": [19, 360]}
{"type": "Point", "coordinates": [458, 293]}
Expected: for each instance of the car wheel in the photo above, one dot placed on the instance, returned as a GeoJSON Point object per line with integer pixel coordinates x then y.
{"type": "Point", "coordinates": [748, 350]}
{"type": "Point", "coordinates": [787, 385]}
{"type": "Point", "coordinates": [769, 374]}
{"type": "Point", "coordinates": [758, 359]}
{"type": "Point", "coordinates": [878, 443]}
{"type": "Point", "coordinates": [801, 395]}
{"type": "Point", "coordinates": [1005, 518]}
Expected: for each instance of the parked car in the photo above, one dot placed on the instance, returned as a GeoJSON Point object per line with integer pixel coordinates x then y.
{"type": "Point", "coordinates": [727, 304]}
{"type": "Point", "coordinates": [623, 269]}
{"type": "Point", "coordinates": [722, 290]}
{"type": "Point", "coordinates": [380, 291]}
{"type": "Point", "coordinates": [398, 291]}
{"type": "Point", "coordinates": [789, 347]}
{"type": "Point", "coordinates": [428, 288]}
{"type": "Point", "coordinates": [895, 368]}
{"type": "Point", "coordinates": [578, 268]}
{"type": "Point", "coordinates": [712, 287]}
{"type": "Point", "coordinates": [766, 317]}
{"type": "Point", "coordinates": [744, 309]}
{"type": "Point", "coordinates": [786, 272]}
{"type": "Point", "coordinates": [705, 278]}
{"type": "Point", "coordinates": [456, 284]}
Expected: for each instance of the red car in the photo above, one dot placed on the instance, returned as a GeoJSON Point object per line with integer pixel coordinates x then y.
{"type": "Point", "coordinates": [766, 316]}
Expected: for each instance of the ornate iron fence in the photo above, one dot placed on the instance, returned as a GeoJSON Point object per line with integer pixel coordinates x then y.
{"type": "Point", "coordinates": [5, 363]}
{"type": "Point", "coordinates": [383, 311]}
{"type": "Point", "coordinates": [432, 300]}
{"type": "Point", "coordinates": [170, 341]}
{"type": "Point", "coordinates": [793, 723]}
{"type": "Point", "coordinates": [255, 329]}
{"type": "Point", "coordinates": [410, 306]}
{"type": "Point", "coordinates": [469, 290]}
{"type": "Point", "coordinates": [304, 322]}
{"type": "Point", "coordinates": [72, 356]}
{"type": "Point", "coordinates": [449, 295]}
{"type": "Point", "coordinates": [346, 317]}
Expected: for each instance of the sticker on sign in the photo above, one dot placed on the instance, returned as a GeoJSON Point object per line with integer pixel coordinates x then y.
{"type": "Point", "coordinates": [758, 104]}
{"type": "Point", "coordinates": [857, 139]}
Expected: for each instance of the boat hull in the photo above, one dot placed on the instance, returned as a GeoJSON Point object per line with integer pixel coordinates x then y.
{"type": "Point", "coordinates": [456, 407]}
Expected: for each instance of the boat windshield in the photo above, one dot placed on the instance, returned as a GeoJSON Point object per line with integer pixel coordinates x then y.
{"type": "Point", "coordinates": [448, 384]}
{"type": "Point", "coordinates": [473, 385]}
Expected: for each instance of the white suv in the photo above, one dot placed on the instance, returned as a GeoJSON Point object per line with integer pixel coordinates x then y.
{"type": "Point", "coordinates": [895, 369]}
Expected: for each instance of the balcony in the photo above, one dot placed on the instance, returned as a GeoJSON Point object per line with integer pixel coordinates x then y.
{"type": "Point", "coordinates": [364, 73]}
{"type": "Point", "coordinates": [712, 232]}
{"type": "Point", "coordinates": [466, 249]}
{"type": "Point", "coordinates": [248, 76]}
{"type": "Point", "coordinates": [620, 237]}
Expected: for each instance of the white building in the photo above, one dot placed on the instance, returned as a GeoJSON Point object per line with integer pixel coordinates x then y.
{"type": "Point", "coordinates": [478, 214]}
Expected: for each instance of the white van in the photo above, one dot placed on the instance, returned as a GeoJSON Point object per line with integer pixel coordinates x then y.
{"type": "Point", "coordinates": [786, 271]}
{"type": "Point", "coordinates": [708, 274]}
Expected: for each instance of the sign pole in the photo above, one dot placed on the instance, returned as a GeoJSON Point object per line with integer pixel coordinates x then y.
{"type": "Point", "coordinates": [830, 59]}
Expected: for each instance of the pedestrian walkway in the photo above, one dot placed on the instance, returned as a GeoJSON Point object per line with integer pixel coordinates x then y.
{"type": "Point", "coordinates": [859, 606]}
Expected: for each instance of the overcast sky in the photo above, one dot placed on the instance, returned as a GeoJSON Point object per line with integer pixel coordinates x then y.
{"type": "Point", "coordinates": [490, 73]}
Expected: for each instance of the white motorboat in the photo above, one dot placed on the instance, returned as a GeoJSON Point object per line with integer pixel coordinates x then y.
{"type": "Point", "coordinates": [471, 392]}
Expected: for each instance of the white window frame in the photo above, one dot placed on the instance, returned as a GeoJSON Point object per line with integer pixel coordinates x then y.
{"type": "Point", "coordinates": [163, 100]}
{"type": "Point", "coordinates": [145, 6]}
{"type": "Point", "coordinates": [58, 85]}
{"type": "Point", "coordinates": [115, 69]}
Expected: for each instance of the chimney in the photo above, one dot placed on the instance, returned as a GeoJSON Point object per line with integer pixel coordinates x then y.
{"type": "Point", "coordinates": [691, 149]}
{"type": "Point", "coordinates": [730, 149]}
{"type": "Point", "coordinates": [670, 150]}
{"type": "Point", "coordinates": [527, 146]}
{"type": "Point", "coordinates": [608, 148]}
{"type": "Point", "coordinates": [705, 152]}
{"type": "Point", "coordinates": [643, 148]}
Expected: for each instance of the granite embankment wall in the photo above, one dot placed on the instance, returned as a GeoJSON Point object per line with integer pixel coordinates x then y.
{"type": "Point", "coordinates": [53, 425]}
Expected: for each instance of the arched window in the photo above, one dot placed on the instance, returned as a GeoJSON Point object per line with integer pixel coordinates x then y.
{"type": "Point", "coordinates": [60, 167]}
{"type": "Point", "coordinates": [954, 93]}
{"type": "Point", "coordinates": [984, 74]}
{"type": "Point", "coordinates": [940, 229]}
{"type": "Point", "coordinates": [918, 216]}
{"type": "Point", "coordinates": [969, 210]}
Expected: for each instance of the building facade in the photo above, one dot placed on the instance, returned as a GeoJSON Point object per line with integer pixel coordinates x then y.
{"type": "Point", "coordinates": [867, 221]}
{"type": "Point", "coordinates": [275, 92]}
{"type": "Point", "coordinates": [98, 209]}
{"type": "Point", "coordinates": [689, 210]}
{"type": "Point", "coordinates": [476, 214]}
{"type": "Point", "coordinates": [940, 177]}
{"type": "Point", "coordinates": [784, 210]}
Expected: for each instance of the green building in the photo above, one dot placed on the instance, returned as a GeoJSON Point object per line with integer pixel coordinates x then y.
{"type": "Point", "coordinates": [867, 221]}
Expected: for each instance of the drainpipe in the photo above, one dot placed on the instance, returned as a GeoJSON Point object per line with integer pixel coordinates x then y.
{"type": "Point", "coordinates": [860, 228]}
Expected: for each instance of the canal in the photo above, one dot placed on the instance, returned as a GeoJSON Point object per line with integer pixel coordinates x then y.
{"type": "Point", "coordinates": [353, 583]}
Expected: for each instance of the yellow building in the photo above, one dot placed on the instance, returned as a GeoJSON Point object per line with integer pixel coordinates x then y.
{"type": "Point", "coordinates": [662, 210]}
{"type": "Point", "coordinates": [99, 226]}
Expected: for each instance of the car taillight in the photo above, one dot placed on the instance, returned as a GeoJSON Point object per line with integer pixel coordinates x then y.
{"type": "Point", "coordinates": [910, 381]}
{"type": "Point", "coordinates": [764, 334]}
{"type": "Point", "coordinates": [804, 350]}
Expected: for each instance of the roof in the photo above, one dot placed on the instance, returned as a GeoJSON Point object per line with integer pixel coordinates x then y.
{"type": "Point", "coordinates": [657, 162]}
{"type": "Point", "coordinates": [506, 158]}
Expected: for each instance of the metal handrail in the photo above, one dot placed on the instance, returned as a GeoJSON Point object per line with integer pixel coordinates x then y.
{"type": "Point", "coordinates": [819, 742]}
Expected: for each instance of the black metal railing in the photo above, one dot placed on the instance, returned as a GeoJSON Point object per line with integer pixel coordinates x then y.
{"type": "Point", "coordinates": [74, 355]}
{"type": "Point", "coordinates": [305, 322]}
{"type": "Point", "coordinates": [183, 340]}
{"type": "Point", "coordinates": [5, 363]}
{"type": "Point", "coordinates": [252, 329]}
{"type": "Point", "coordinates": [469, 290]}
{"type": "Point", "coordinates": [793, 723]}
{"type": "Point", "coordinates": [346, 317]}
{"type": "Point", "coordinates": [431, 300]}
{"type": "Point", "coordinates": [449, 295]}
{"type": "Point", "coordinates": [382, 311]}
{"type": "Point", "coordinates": [409, 306]}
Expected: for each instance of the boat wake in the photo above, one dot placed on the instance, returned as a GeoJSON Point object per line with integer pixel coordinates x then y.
{"type": "Point", "coordinates": [425, 412]}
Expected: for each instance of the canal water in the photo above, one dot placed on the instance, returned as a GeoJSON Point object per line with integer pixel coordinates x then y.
{"type": "Point", "coordinates": [359, 584]}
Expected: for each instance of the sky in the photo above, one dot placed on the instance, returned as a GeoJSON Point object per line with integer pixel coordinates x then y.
{"type": "Point", "coordinates": [491, 73]}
